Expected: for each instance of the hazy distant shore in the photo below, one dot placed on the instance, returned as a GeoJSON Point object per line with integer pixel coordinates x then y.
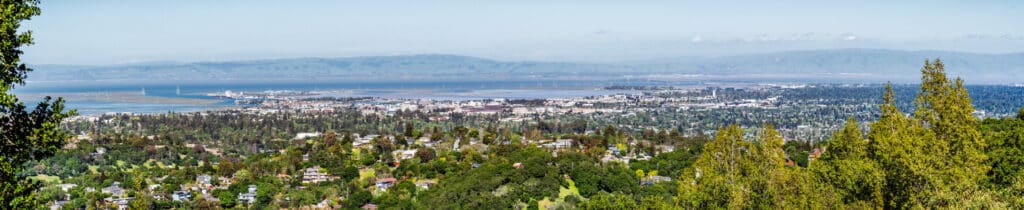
{"type": "Point", "coordinates": [120, 97]}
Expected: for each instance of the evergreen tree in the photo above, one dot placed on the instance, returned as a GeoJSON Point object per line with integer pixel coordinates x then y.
{"type": "Point", "coordinates": [944, 107]}
{"type": "Point", "coordinates": [900, 147]}
{"type": "Point", "coordinates": [845, 167]}
{"type": "Point", "coordinates": [936, 157]}
{"type": "Point", "coordinates": [1006, 151]}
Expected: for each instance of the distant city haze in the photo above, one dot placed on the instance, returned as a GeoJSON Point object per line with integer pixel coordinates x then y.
{"type": "Point", "coordinates": [119, 32]}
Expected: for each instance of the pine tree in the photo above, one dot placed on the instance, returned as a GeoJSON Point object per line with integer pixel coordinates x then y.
{"type": "Point", "coordinates": [944, 107]}
{"type": "Point", "coordinates": [936, 157]}
{"type": "Point", "coordinates": [899, 145]}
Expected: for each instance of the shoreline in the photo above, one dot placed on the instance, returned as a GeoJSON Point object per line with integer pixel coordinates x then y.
{"type": "Point", "coordinates": [120, 97]}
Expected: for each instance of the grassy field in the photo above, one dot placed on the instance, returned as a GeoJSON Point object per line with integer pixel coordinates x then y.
{"type": "Point", "coordinates": [46, 178]}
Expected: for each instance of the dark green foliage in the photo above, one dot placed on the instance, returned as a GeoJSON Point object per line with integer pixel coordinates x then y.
{"type": "Point", "coordinates": [497, 184]}
{"type": "Point", "coordinates": [227, 198]}
{"type": "Point", "coordinates": [670, 163]}
{"type": "Point", "coordinates": [1006, 150]}
{"type": "Point", "coordinates": [797, 151]}
{"type": "Point", "coordinates": [611, 201]}
{"type": "Point", "coordinates": [25, 135]}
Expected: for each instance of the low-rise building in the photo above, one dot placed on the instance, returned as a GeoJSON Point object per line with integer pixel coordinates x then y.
{"type": "Point", "coordinates": [122, 203]}
{"type": "Point", "coordinates": [425, 184]}
{"type": "Point", "coordinates": [248, 197]}
{"type": "Point", "coordinates": [305, 135]}
{"type": "Point", "coordinates": [181, 196]}
{"type": "Point", "coordinates": [204, 180]}
{"type": "Point", "coordinates": [406, 154]}
{"type": "Point", "coordinates": [651, 180]}
{"type": "Point", "coordinates": [314, 175]}
{"type": "Point", "coordinates": [559, 144]}
{"type": "Point", "coordinates": [114, 190]}
{"type": "Point", "coordinates": [58, 205]}
{"type": "Point", "coordinates": [384, 183]}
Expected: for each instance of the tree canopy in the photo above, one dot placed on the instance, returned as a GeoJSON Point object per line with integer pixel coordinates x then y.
{"type": "Point", "coordinates": [25, 134]}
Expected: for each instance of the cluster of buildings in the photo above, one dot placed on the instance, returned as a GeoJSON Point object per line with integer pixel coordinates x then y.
{"type": "Point", "coordinates": [118, 195]}
{"type": "Point", "coordinates": [516, 109]}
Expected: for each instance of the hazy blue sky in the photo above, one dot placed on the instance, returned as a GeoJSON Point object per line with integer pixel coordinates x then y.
{"type": "Point", "coordinates": [106, 32]}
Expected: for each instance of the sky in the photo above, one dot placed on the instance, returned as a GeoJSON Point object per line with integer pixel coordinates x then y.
{"type": "Point", "coordinates": [116, 32]}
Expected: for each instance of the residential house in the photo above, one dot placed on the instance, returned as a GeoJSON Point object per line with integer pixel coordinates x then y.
{"type": "Point", "coordinates": [122, 203]}
{"type": "Point", "coordinates": [181, 196]}
{"type": "Point", "coordinates": [66, 187]}
{"type": "Point", "coordinates": [248, 197]}
{"type": "Point", "coordinates": [114, 190]}
{"type": "Point", "coordinates": [559, 144]}
{"type": "Point", "coordinates": [425, 184]}
{"type": "Point", "coordinates": [611, 158]}
{"type": "Point", "coordinates": [430, 144]}
{"type": "Point", "coordinates": [204, 180]}
{"type": "Point", "coordinates": [58, 205]}
{"type": "Point", "coordinates": [815, 154]}
{"type": "Point", "coordinates": [305, 135]}
{"type": "Point", "coordinates": [614, 150]}
{"type": "Point", "coordinates": [384, 183]}
{"type": "Point", "coordinates": [651, 180]}
{"type": "Point", "coordinates": [406, 154]}
{"type": "Point", "coordinates": [666, 148]}
{"type": "Point", "coordinates": [313, 175]}
{"type": "Point", "coordinates": [363, 140]}
{"type": "Point", "coordinates": [99, 152]}
{"type": "Point", "coordinates": [224, 181]}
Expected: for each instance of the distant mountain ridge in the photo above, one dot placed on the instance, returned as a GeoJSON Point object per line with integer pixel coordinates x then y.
{"type": "Point", "coordinates": [859, 64]}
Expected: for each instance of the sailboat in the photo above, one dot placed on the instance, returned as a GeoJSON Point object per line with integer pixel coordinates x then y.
{"type": "Point", "coordinates": [178, 90]}
{"type": "Point", "coordinates": [143, 90]}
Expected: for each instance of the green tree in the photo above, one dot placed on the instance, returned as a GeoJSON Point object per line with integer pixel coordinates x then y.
{"type": "Point", "coordinates": [935, 158]}
{"type": "Point", "coordinates": [141, 202]}
{"type": "Point", "coordinates": [227, 198]}
{"type": "Point", "coordinates": [24, 135]}
{"type": "Point", "coordinates": [1006, 151]}
{"type": "Point", "coordinates": [715, 180]}
{"type": "Point", "coordinates": [1020, 114]}
{"type": "Point", "coordinates": [736, 173]}
{"type": "Point", "coordinates": [846, 167]}
{"type": "Point", "coordinates": [612, 201]}
{"type": "Point", "coordinates": [945, 107]}
{"type": "Point", "coordinates": [899, 144]}
{"type": "Point", "coordinates": [764, 169]}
